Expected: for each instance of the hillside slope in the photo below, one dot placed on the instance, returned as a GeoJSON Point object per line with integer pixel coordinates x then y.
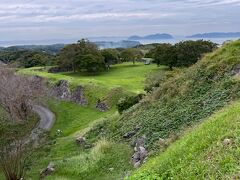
{"type": "Point", "coordinates": [180, 101]}
{"type": "Point", "coordinates": [208, 151]}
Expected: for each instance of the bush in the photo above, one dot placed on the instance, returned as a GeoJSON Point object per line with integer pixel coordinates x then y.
{"type": "Point", "coordinates": [127, 102]}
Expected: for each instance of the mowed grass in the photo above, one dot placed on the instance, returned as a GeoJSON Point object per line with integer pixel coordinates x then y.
{"type": "Point", "coordinates": [201, 153]}
{"type": "Point", "coordinates": [126, 75]}
{"type": "Point", "coordinates": [71, 117]}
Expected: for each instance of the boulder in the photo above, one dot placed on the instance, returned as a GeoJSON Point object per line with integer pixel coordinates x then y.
{"type": "Point", "coordinates": [227, 142]}
{"type": "Point", "coordinates": [49, 170]}
{"type": "Point", "coordinates": [81, 141]}
{"type": "Point", "coordinates": [101, 106]}
{"type": "Point", "coordinates": [137, 164]}
{"type": "Point", "coordinates": [140, 152]}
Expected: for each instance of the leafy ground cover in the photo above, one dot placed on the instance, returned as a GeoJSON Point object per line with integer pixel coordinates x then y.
{"type": "Point", "coordinates": [202, 152]}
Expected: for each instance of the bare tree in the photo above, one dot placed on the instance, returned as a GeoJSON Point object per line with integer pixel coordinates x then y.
{"type": "Point", "coordinates": [17, 96]}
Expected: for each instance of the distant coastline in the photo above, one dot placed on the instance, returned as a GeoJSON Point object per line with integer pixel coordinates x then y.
{"type": "Point", "coordinates": [217, 37]}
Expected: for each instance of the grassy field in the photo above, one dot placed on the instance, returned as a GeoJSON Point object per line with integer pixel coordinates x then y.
{"type": "Point", "coordinates": [106, 159]}
{"type": "Point", "coordinates": [201, 153]}
{"type": "Point", "coordinates": [71, 117]}
{"type": "Point", "coordinates": [180, 100]}
{"type": "Point", "coordinates": [128, 76]}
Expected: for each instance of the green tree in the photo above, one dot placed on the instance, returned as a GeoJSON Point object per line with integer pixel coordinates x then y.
{"type": "Point", "coordinates": [184, 53]}
{"type": "Point", "coordinates": [90, 63]}
{"type": "Point", "coordinates": [111, 56]}
{"type": "Point", "coordinates": [131, 54]}
{"type": "Point", "coordinates": [77, 56]}
{"type": "Point", "coordinates": [189, 52]}
{"type": "Point", "coordinates": [67, 56]}
{"type": "Point", "coordinates": [165, 54]}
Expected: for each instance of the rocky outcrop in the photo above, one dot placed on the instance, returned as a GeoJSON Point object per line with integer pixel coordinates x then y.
{"type": "Point", "coordinates": [140, 152]}
{"type": "Point", "coordinates": [61, 90]}
{"type": "Point", "coordinates": [78, 97]}
{"type": "Point", "coordinates": [102, 106]}
{"type": "Point", "coordinates": [49, 170]}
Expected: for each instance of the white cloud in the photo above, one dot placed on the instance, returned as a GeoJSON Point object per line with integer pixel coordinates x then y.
{"type": "Point", "coordinates": [105, 15]}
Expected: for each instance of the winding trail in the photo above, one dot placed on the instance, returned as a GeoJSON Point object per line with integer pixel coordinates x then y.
{"type": "Point", "coordinates": [46, 122]}
{"type": "Point", "coordinates": [47, 118]}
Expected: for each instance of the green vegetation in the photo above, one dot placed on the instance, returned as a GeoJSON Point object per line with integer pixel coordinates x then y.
{"type": "Point", "coordinates": [182, 103]}
{"type": "Point", "coordinates": [82, 56]}
{"type": "Point", "coordinates": [76, 117]}
{"type": "Point", "coordinates": [181, 100]}
{"type": "Point", "coordinates": [26, 58]}
{"type": "Point", "coordinates": [10, 130]}
{"type": "Point", "coordinates": [201, 153]}
{"type": "Point", "coordinates": [111, 56]}
{"type": "Point", "coordinates": [106, 159]}
{"type": "Point", "coordinates": [123, 75]}
{"type": "Point", "coordinates": [131, 54]}
{"type": "Point", "coordinates": [182, 54]}
{"type": "Point", "coordinates": [127, 102]}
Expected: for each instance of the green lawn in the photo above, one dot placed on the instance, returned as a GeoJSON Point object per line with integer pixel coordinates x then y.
{"type": "Point", "coordinates": [128, 76]}
{"type": "Point", "coordinates": [200, 153]}
{"type": "Point", "coordinates": [71, 117]}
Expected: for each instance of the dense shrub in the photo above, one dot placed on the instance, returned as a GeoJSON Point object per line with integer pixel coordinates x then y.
{"type": "Point", "coordinates": [182, 54]}
{"type": "Point", "coordinates": [127, 102]}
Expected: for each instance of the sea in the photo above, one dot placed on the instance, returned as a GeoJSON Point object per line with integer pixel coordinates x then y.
{"type": "Point", "coordinates": [219, 41]}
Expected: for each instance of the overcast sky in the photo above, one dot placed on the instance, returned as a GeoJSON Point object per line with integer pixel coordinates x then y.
{"type": "Point", "coordinates": [63, 19]}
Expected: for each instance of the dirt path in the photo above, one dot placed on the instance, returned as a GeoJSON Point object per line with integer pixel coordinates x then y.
{"type": "Point", "coordinates": [46, 122]}
{"type": "Point", "coordinates": [47, 118]}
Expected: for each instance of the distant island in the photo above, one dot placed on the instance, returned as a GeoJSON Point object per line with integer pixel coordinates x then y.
{"type": "Point", "coordinates": [151, 37]}
{"type": "Point", "coordinates": [216, 35]}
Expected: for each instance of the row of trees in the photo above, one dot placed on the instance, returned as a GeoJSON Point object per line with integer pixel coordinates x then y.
{"type": "Point", "coordinates": [184, 53]}
{"type": "Point", "coordinates": [85, 56]}
{"type": "Point", "coordinates": [27, 58]}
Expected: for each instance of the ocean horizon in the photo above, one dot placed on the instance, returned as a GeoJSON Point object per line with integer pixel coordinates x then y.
{"type": "Point", "coordinates": [108, 39]}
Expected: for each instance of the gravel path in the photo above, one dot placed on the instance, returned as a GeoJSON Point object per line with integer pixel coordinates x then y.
{"type": "Point", "coordinates": [47, 118]}
{"type": "Point", "coordinates": [46, 122]}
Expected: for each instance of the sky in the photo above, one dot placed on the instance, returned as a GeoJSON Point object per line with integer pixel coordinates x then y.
{"type": "Point", "coordinates": [66, 19]}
